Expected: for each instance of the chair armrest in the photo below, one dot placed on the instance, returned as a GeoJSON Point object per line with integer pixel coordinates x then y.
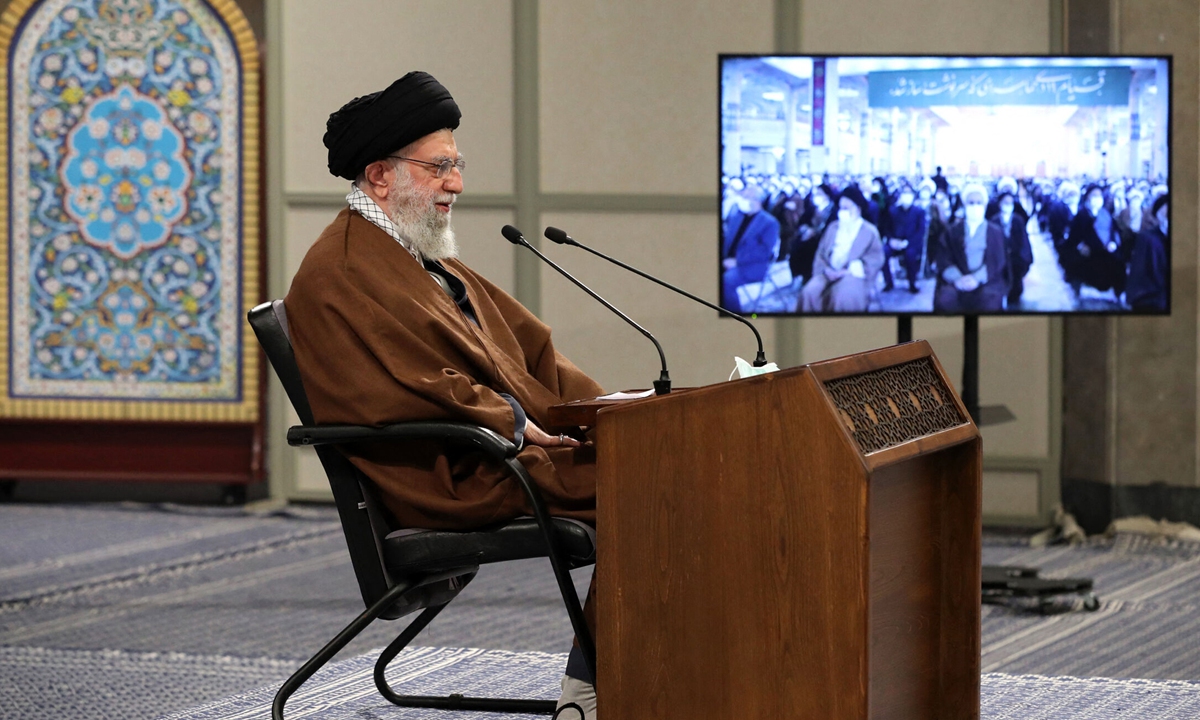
{"type": "Point", "coordinates": [458, 433]}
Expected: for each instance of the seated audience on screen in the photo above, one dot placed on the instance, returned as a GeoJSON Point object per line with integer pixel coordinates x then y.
{"type": "Point", "coordinates": [1006, 185]}
{"type": "Point", "coordinates": [812, 228]}
{"type": "Point", "coordinates": [907, 239]}
{"type": "Point", "coordinates": [973, 275]}
{"type": "Point", "coordinates": [848, 259]}
{"type": "Point", "coordinates": [730, 195]}
{"type": "Point", "coordinates": [1129, 218]}
{"type": "Point", "coordinates": [1149, 264]}
{"type": "Point", "coordinates": [1095, 254]}
{"type": "Point", "coordinates": [751, 237]}
{"type": "Point", "coordinates": [789, 212]}
{"type": "Point", "coordinates": [1059, 215]}
{"type": "Point", "coordinates": [940, 219]}
{"type": "Point", "coordinates": [1154, 193]}
{"type": "Point", "coordinates": [925, 193]}
{"type": "Point", "coordinates": [1027, 201]}
{"type": "Point", "coordinates": [1016, 244]}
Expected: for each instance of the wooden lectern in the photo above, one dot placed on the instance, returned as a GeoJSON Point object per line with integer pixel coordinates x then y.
{"type": "Point", "coordinates": [804, 544]}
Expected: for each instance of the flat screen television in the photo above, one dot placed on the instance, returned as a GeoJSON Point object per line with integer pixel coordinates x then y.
{"type": "Point", "coordinates": [944, 185]}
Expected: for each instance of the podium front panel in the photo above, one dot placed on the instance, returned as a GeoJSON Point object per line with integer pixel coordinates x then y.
{"type": "Point", "coordinates": [754, 562]}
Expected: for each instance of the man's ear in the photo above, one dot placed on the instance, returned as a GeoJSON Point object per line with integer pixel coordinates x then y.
{"type": "Point", "coordinates": [376, 176]}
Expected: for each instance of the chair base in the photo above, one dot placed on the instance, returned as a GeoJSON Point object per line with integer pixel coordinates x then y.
{"type": "Point", "coordinates": [451, 702]}
{"type": "Point", "coordinates": [459, 702]}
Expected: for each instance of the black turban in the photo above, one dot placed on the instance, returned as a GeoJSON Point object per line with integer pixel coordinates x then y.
{"type": "Point", "coordinates": [1159, 202]}
{"type": "Point", "coordinates": [855, 195]}
{"type": "Point", "coordinates": [371, 127]}
{"type": "Point", "coordinates": [1089, 188]}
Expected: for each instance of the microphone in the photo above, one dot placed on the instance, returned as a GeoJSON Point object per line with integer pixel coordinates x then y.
{"type": "Point", "coordinates": [662, 385]}
{"type": "Point", "coordinates": [553, 234]}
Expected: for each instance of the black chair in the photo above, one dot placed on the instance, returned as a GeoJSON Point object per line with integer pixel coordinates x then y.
{"type": "Point", "coordinates": [400, 572]}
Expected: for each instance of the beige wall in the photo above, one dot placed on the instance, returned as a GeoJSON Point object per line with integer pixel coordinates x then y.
{"type": "Point", "coordinates": [1155, 433]}
{"type": "Point", "coordinates": [629, 92]}
{"type": "Point", "coordinates": [628, 105]}
{"type": "Point", "coordinates": [331, 55]}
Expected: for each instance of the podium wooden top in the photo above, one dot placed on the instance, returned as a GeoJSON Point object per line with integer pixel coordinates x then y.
{"type": "Point", "coordinates": [583, 412]}
{"type": "Point", "coordinates": [891, 403]}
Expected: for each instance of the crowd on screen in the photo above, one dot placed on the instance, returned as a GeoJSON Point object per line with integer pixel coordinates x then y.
{"type": "Point", "coordinates": [846, 238]}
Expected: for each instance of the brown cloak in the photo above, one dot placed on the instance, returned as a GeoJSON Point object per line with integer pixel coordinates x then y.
{"type": "Point", "coordinates": [378, 341]}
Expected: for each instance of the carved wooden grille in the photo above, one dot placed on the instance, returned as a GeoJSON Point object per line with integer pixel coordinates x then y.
{"type": "Point", "coordinates": [884, 408]}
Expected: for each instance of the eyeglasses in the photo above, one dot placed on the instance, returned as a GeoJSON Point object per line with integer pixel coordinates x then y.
{"type": "Point", "coordinates": [443, 168]}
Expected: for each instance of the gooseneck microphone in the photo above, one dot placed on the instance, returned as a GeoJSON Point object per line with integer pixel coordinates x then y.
{"type": "Point", "coordinates": [662, 385]}
{"type": "Point", "coordinates": [553, 234]}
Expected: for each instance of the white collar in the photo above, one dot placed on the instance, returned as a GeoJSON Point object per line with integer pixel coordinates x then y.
{"type": "Point", "coordinates": [361, 203]}
{"type": "Point", "coordinates": [851, 228]}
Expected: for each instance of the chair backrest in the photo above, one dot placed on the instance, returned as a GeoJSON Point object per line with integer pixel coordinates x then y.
{"type": "Point", "coordinates": [358, 507]}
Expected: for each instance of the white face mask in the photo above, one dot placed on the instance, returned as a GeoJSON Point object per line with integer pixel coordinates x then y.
{"type": "Point", "coordinates": [743, 204]}
{"type": "Point", "coordinates": [974, 214]}
{"type": "Point", "coordinates": [845, 217]}
{"type": "Point", "coordinates": [1095, 204]}
{"type": "Point", "coordinates": [820, 201]}
{"type": "Point", "coordinates": [1162, 221]}
{"type": "Point", "coordinates": [1006, 212]}
{"type": "Point", "coordinates": [906, 199]}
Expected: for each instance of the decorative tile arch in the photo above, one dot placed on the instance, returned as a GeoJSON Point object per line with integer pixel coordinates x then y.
{"type": "Point", "coordinates": [131, 203]}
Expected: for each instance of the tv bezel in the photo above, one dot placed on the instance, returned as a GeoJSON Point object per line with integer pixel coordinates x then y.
{"type": "Point", "coordinates": [722, 57]}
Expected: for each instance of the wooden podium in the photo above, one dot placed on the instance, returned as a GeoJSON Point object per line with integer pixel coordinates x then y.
{"type": "Point", "coordinates": [804, 544]}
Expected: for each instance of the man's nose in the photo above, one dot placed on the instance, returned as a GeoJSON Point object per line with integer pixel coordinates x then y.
{"type": "Point", "coordinates": [453, 183]}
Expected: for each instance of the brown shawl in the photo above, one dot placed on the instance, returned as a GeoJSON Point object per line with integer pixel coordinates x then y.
{"type": "Point", "coordinates": [378, 341]}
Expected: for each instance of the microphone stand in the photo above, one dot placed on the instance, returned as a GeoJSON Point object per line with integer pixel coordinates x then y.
{"type": "Point", "coordinates": [558, 236]}
{"type": "Point", "coordinates": [662, 385]}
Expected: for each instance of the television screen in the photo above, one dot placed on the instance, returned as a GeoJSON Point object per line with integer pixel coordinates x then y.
{"type": "Point", "coordinates": [944, 185]}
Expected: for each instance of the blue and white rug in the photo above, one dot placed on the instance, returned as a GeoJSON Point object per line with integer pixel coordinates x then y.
{"type": "Point", "coordinates": [346, 691]}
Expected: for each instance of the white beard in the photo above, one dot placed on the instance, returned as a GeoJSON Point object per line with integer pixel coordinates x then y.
{"type": "Point", "coordinates": [419, 221]}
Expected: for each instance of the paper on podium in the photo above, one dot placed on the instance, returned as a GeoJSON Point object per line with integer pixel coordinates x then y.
{"type": "Point", "coordinates": [626, 395]}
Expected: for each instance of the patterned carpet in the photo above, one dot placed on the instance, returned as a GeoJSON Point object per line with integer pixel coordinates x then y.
{"type": "Point", "coordinates": [1145, 627]}
{"type": "Point", "coordinates": [347, 692]}
{"type": "Point", "coordinates": [137, 611]}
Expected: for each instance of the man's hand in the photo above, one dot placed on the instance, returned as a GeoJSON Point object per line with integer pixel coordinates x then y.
{"type": "Point", "coordinates": [729, 263]}
{"type": "Point", "coordinates": [966, 283]}
{"type": "Point", "coordinates": [1083, 249]}
{"type": "Point", "coordinates": [833, 275]}
{"type": "Point", "coordinates": [534, 435]}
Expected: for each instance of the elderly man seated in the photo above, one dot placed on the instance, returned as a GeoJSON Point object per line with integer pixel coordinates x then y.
{"type": "Point", "coordinates": [848, 260]}
{"type": "Point", "coordinates": [974, 274]}
{"type": "Point", "coordinates": [388, 326]}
